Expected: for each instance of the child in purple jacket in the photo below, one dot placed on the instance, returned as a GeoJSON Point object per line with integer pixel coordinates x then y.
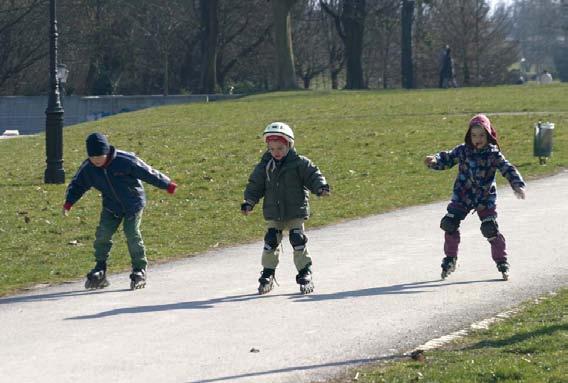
{"type": "Point", "coordinates": [478, 159]}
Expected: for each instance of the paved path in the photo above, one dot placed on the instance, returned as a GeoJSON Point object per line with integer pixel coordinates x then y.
{"type": "Point", "coordinates": [378, 292]}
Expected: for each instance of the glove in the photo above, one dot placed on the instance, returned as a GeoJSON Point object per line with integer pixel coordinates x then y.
{"type": "Point", "coordinates": [172, 187]}
{"type": "Point", "coordinates": [519, 192]}
{"type": "Point", "coordinates": [323, 191]}
{"type": "Point", "coordinates": [246, 208]}
{"type": "Point", "coordinates": [66, 207]}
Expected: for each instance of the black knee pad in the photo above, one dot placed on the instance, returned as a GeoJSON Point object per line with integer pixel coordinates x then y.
{"type": "Point", "coordinates": [450, 224]}
{"type": "Point", "coordinates": [298, 239]}
{"type": "Point", "coordinates": [489, 227]}
{"type": "Point", "coordinates": [271, 240]}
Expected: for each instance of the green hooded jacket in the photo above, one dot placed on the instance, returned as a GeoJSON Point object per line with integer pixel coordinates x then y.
{"type": "Point", "coordinates": [285, 187]}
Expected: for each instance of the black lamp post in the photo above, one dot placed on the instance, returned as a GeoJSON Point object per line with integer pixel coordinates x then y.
{"type": "Point", "coordinates": [54, 172]}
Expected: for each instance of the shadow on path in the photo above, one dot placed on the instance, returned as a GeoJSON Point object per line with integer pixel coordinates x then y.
{"type": "Point", "coordinates": [353, 362]}
{"type": "Point", "coordinates": [405, 288]}
{"type": "Point", "coordinates": [56, 296]}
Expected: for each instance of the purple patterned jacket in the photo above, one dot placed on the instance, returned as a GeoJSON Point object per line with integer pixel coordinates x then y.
{"type": "Point", "coordinates": [475, 186]}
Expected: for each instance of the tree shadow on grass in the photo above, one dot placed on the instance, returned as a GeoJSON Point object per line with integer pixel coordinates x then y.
{"type": "Point", "coordinates": [406, 288]}
{"type": "Point", "coordinates": [518, 338]}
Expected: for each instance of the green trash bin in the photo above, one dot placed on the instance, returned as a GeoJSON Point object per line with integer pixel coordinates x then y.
{"type": "Point", "coordinates": [543, 141]}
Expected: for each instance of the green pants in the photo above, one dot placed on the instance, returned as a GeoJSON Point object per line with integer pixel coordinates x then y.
{"type": "Point", "coordinates": [108, 225]}
{"type": "Point", "coordinates": [270, 258]}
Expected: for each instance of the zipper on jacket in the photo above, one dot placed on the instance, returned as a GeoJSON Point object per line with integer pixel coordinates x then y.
{"type": "Point", "coordinates": [114, 191]}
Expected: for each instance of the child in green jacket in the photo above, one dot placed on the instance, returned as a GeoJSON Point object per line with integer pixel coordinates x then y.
{"type": "Point", "coordinates": [285, 180]}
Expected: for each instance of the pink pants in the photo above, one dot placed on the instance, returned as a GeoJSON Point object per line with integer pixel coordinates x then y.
{"type": "Point", "coordinates": [498, 246]}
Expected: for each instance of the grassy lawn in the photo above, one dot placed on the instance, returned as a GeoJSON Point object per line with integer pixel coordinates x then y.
{"type": "Point", "coordinates": [370, 146]}
{"type": "Point", "coordinates": [531, 346]}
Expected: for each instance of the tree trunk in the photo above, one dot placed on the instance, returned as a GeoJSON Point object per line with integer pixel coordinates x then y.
{"type": "Point", "coordinates": [166, 84]}
{"type": "Point", "coordinates": [406, 38]}
{"type": "Point", "coordinates": [286, 73]}
{"type": "Point", "coordinates": [334, 79]}
{"type": "Point", "coordinates": [350, 26]}
{"type": "Point", "coordinates": [210, 31]}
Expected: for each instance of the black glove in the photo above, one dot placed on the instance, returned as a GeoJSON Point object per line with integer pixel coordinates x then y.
{"type": "Point", "coordinates": [245, 206]}
{"type": "Point", "coordinates": [324, 188]}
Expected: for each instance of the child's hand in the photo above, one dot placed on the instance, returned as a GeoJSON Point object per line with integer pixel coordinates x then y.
{"type": "Point", "coordinates": [519, 192]}
{"type": "Point", "coordinates": [172, 187]}
{"type": "Point", "coordinates": [66, 208]}
{"type": "Point", "coordinates": [430, 160]}
{"type": "Point", "coordinates": [323, 191]}
{"type": "Point", "coordinates": [246, 208]}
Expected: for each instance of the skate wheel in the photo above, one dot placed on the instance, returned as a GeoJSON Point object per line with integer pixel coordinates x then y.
{"type": "Point", "coordinates": [265, 289]}
{"type": "Point", "coordinates": [137, 286]}
{"type": "Point", "coordinates": [306, 289]}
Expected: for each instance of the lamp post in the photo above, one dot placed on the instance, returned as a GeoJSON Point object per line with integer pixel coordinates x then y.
{"type": "Point", "coordinates": [54, 172]}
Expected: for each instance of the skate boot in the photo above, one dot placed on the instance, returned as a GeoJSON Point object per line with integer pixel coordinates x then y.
{"type": "Point", "coordinates": [503, 267]}
{"type": "Point", "coordinates": [304, 279]}
{"type": "Point", "coordinates": [448, 266]}
{"type": "Point", "coordinates": [137, 279]}
{"type": "Point", "coordinates": [266, 281]}
{"type": "Point", "coordinates": [96, 278]}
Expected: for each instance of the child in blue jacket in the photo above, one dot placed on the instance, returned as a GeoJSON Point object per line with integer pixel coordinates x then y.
{"type": "Point", "coordinates": [478, 160]}
{"type": "Point", "coordinates": [117, 175]}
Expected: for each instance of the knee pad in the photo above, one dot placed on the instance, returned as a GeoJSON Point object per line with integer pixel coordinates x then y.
{"type": "Point", "coordinates": [489, 228]}
{"type": "Point", "coordinates": [272, 239]}
{"type": "Point", "coordinates": [450, 224]}
{"type": "Point", "coordinates": [298, 239]}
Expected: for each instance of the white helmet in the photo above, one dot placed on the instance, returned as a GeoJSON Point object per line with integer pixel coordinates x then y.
{"type": "Point", "coordinates": [279, 129]}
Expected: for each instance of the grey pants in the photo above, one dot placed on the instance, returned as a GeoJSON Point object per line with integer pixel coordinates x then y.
{"type": "Point", "coordinates": [108, 225]}
{"type": "Point", "coordinates": [271, 258]}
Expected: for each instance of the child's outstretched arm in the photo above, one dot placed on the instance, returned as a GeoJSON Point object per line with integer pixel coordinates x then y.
{"type": "Point", "coordinates": [444, 160]}
{"type": "Point", "coordinates": [78, 186]}
{"type": "Point", "coordinates": [313, 179]}
{"type": "Point", "coordinates": [512, 175]}
{"type": "Point", "coordinates": [146, 173]}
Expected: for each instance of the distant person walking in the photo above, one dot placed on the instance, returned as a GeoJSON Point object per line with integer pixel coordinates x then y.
{"type": "Point", "coordinates": [475, 189]}
{"type": "Point", "coordinates": [447, 70]}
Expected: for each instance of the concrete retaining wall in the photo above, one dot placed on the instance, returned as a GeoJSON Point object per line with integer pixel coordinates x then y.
{"type": "Point", "coordinates": [27, 114]}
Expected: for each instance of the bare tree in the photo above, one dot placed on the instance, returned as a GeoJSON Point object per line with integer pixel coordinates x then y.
{"type": "Point", "coordinates": [21, 22]}
{"type": "Point", "coordinates": [478, 40]}
{"type": "Point", "coordinates": [309, 42]}
{"type": "Point", "coordinates": [210, 34]}
{"type": "Point", "coordinates": [286, 73]}
{"type": "Point", "coordinates": [538, 27]}
{"type": "Point", "coordinates": [243, 31]}
{"type": "Point", "coordinates": [350, 25]}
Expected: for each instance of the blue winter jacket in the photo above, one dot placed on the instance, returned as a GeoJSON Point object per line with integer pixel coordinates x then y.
{"type": "Point", "coordinates": [119, 181]}
{"type": "Point", "coordinates": [475, 186]}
